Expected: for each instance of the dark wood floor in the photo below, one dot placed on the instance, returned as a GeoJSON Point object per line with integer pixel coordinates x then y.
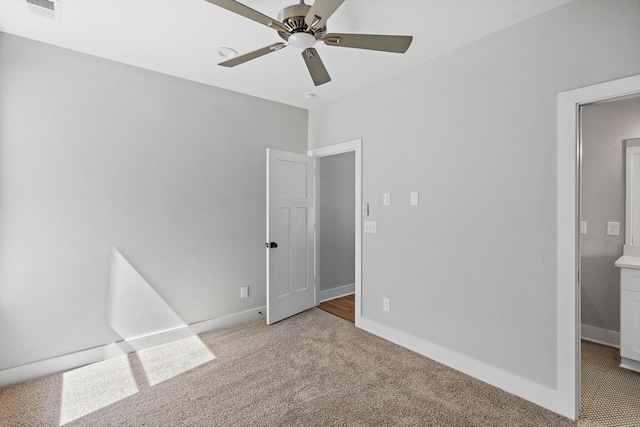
{"type": "Point", "coordinates": [344, 307]}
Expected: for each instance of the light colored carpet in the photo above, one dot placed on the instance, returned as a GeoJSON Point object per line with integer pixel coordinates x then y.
{"type": "Point", "coordinates": [312, 369]}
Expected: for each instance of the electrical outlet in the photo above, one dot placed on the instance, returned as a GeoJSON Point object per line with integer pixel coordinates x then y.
{"type": "Point", "coordinates": [583, 227]}
{"type": "Point", "coordinates": [385, 304]}
{"type": "Point", "coordinates": [386, 199]}
{"type": "Point", "coordinates": [370, 227]}
{"type": "Point", "coordinates": [244, 292]}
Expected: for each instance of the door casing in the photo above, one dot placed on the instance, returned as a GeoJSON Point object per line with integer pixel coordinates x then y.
{"type": "Point", "coordinates": [330, 150]}
{"type": "Point", "coordinates": [569, 160]}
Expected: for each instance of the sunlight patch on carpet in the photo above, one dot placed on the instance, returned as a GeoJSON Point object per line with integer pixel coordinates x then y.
{"type": "Point", "coordinates": [92, 387]}
{"type": "Point", "coordinates": [166, 361]}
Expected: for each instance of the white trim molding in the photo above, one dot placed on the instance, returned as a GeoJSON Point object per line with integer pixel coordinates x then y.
{"type": "Point", "coordinates": [567, 286]}
{"type": "Point", "coordinates": [330, 150]}
{"type": "Point", "coordinates": [600, 336]}
{"type": "Point", "coordinates": [529, 390]}
{"type": "Point", "coordinates": [229, 321]}
{"type": "Point", "coordinates": [340, 291]}
{"type": "Point", "coordinates": [98, 354]}
{"type": "Point", "coordinates": [626, 363]}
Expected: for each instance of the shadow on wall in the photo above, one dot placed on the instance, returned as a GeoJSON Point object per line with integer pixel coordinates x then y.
{"type": "Point", "coordinates": [598, 293]}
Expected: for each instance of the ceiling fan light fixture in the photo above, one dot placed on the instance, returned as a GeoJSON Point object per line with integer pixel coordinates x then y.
{"type": "Point", "coordinates": [302, 40]}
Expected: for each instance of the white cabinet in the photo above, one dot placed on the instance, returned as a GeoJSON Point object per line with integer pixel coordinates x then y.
{"type": "Point", "coordinates": [630, 318]}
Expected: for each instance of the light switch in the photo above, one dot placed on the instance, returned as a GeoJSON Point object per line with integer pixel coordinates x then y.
{"type": "Point", "coordinates": [583, 227]}
{"type": "Point", "coordinates": [413, 198]}
{"type": "Point", "coordinates": [613, 228]}
{"type": "Point", "coordinates": [386, 199]}
{"type": "Point", "coordinates": [370, 227]}
{"type": "Point", "coordinates": [365, 209]}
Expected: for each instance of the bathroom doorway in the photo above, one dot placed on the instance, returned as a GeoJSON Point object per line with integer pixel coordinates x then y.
{"type": "Point", "coordinates": [568, 233]}
{"type": "Point", "coordinates": [609, 393]}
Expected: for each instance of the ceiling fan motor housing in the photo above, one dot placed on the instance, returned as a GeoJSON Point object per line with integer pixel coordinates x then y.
{"type": "Point", "coordinates": [293, 18]}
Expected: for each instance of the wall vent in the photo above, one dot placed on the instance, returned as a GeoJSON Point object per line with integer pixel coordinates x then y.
{"type": "Point", "coordinates": [45, 8]}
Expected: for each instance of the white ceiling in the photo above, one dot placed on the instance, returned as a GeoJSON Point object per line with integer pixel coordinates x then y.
{"type": "Point", "coordinates": [182, 37]}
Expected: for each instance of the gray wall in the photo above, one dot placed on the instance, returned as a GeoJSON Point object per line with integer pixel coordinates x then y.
{"type": "Point", "coordinates": [336, 220]}
{"type": "Point", "coordinates": [95, 156]}
{"type": "Point", "coordinates": [473, 268]}
{"type": "Point", "coordinates": [604, 127]}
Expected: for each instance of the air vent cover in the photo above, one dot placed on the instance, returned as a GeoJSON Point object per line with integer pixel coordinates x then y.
{"type": "Point", "coordinates": [45, 8]}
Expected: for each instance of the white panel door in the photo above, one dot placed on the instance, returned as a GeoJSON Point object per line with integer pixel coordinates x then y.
{"type": "Point", "coordinates": [290, 234]}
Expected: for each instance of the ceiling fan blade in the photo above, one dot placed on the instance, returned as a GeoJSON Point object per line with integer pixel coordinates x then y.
{"type": "Point", "coordinates": [320, 11]}
{"type": "Point", "coordinates": [252, 55]}
{"type": "Point", "coordinates": [384, 43]}
{"type": "Point", "coordinates": [247, 12]}
{"type": "Point", "coordinates": [316, 68]}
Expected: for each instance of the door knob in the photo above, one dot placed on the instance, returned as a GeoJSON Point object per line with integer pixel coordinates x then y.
{"type": "Point", "coordinates": [271, 245]}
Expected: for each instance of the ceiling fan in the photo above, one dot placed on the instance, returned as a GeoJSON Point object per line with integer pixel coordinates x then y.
{"type": "Point", "coordinates": [302, 25]}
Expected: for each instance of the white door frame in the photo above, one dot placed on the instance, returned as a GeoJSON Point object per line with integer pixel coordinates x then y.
{"type": "Point", "coordinates": [346, 147]}
{"type": "Point", "coordinates": [568, 211]}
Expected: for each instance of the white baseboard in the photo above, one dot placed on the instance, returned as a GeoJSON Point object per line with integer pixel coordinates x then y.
{"type": "Point", "coordinates": [58, 364]}
{"type": "Point", "coordinates": [600, 336]}
{"type": "Point", "coordinates": [546, 397]}
{"type": "Point", "coordinates": [338, 292]}
{"type": "Point", "coordinates": [234, 319]}
{"type": "Point", "coordinates": [634, 365]}
{"type": "Point", "coordinates": [97, 354]}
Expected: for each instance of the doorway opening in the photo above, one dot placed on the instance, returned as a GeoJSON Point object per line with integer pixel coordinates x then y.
{"type": "Point", "coordinates": [327, 266]}
{"type": "Point", "coordinates": [609, 392]}
{"type": "Point", "coordinates": [569, 158]}
{"type": "Point", "coordinates": [343, 307]}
